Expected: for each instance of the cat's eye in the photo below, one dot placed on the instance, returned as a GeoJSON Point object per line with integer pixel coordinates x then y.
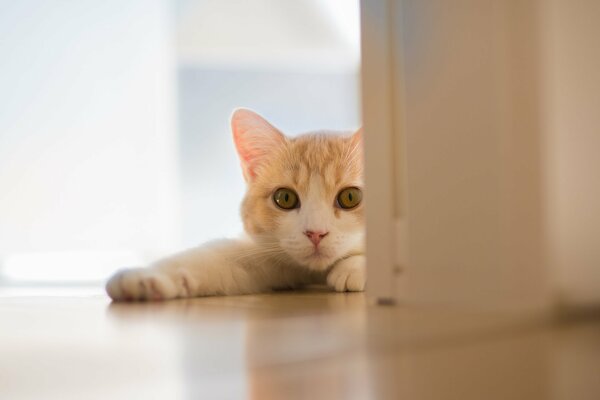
{"type": "Point", "coordinates": [349, 197]}
{"type": "Point", "coordinates": [286, 199]}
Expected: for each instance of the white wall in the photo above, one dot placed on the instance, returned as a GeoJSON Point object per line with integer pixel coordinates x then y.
{"type": "Point", "coordinates": [87, 131]}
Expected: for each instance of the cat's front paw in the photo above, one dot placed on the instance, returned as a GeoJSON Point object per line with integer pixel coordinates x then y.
{"type": "Point", "coordinates": [141, 284]}
{"type": "Point", "coordinates": [349, 275]}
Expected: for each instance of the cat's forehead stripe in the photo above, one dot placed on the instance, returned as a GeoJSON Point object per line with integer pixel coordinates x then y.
{"type": "Point", "coordinates": [333, 161]}
{"type": "Point", "coordinates": [329, 156]}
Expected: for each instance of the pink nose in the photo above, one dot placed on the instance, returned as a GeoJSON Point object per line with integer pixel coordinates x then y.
{"type": "Point", "coordinates": [316, 237]}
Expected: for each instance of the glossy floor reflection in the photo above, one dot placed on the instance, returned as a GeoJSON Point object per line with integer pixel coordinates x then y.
{"type": "Point", "coordinates": [307, 345]}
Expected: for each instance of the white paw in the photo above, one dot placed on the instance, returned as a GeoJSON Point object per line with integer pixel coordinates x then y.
{"type": "Point", "coordinates": [141, 284]}
{"type": "Point", "coordinates": [349, 275]}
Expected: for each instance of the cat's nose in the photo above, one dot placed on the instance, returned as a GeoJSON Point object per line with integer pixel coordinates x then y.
{"type": "Point", "coordinates": [316, 236]}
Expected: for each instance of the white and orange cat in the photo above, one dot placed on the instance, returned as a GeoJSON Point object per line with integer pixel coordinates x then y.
{"type": "Point", "coordinates": [302, 212]}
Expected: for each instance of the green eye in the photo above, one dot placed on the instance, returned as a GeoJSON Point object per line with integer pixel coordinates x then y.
{"type": "Point", "coordinates": [349, 197]}
{"type": "Point", "coordinates": [286, 199]}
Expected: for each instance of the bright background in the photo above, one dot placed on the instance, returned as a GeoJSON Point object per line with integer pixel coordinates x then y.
{"type": "Point", "coordinates": [114, 140]}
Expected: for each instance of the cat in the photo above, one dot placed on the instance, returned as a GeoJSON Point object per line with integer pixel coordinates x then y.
{"type": "Point", "coordinates": [302, 212]}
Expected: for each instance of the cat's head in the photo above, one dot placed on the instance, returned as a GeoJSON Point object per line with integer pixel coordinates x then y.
{"type": "Point", "coordinates": [304, 194]}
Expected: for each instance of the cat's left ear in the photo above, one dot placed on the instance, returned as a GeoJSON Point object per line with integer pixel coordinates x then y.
{"type": "Point", "coordinates": [357, 137]}
{"type": "Point", "coordinates": [255, 138]}
{"type": "Point", "coordinates": [356, 143]}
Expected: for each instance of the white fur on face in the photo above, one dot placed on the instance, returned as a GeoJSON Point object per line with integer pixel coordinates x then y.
{"type": "Point", "coordinates": [317, 213]}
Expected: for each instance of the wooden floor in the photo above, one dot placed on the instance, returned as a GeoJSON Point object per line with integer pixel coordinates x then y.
{"type": "Point", "coordinates": [309, 345]}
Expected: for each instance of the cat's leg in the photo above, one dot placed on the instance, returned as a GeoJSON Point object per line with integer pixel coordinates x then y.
{"type": "Point", "coordinates": [349, 274]}
{"type": "Point", "coordinates": [225, 267]}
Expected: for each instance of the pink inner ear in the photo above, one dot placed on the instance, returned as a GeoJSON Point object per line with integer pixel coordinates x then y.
{"type": "Point", "coordinates": [247, 155]}
{"type": "Point", "coordinates": [357, 136]}
{"type": "Point", "coordinates": [254, 139]}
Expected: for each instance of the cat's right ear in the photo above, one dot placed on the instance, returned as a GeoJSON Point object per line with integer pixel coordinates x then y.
{"type": "Point", "coordinates": [255, 138]}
